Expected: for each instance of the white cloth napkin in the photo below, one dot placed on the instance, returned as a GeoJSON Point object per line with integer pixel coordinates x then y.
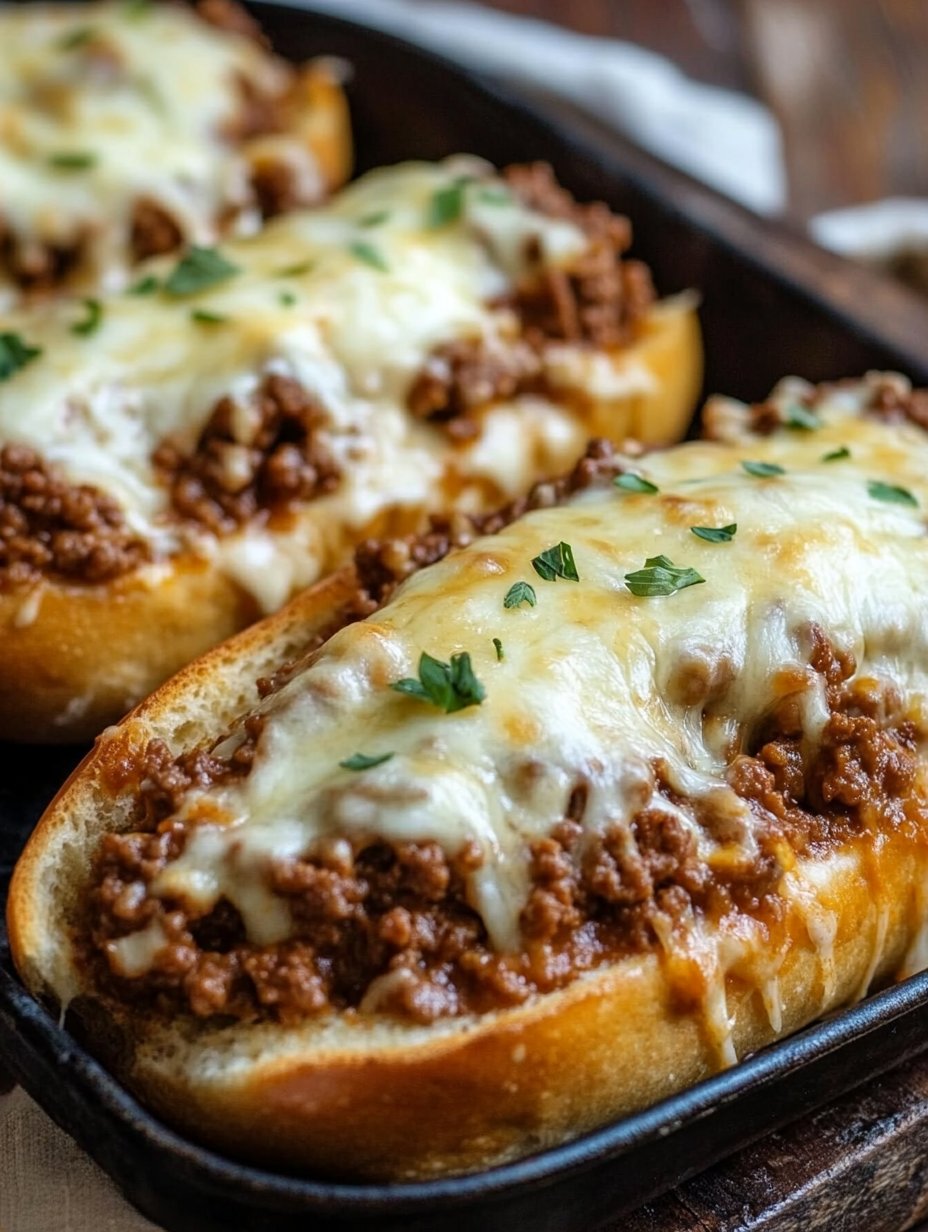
{"type": "Point", "coordinates": [728, 140]}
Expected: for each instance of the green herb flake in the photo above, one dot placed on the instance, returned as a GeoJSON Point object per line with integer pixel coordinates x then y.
{"type": "Point", "coordinates": [716, 534]}
{"type": "Point", "coordinates": [376, 219]}
{"type": "Point", "coordinates": [891, 493]}
{"type": "Point", "coordinates": [286, 299]}
{"type": "Point", "coordinates": [145, 286]}
{"type": "Point", "coordinates": [763, 470]}
{"type": "Point", "coordinates": [93, 317]}
{"type": "Point", "coordinates": [72, 160]}
{"type": "Point", "coordinates": [801, 417]}
{"type": "Point", "coordinates": [198, 269]}
{"type": "Point", "coordinates": [556, 562]}
{"type": "Point", "coordinates": [518, 593]}
{"type": "Point", "coordinates": [15, 354]}
{"type": "Point", "coordinates": [635, 483]}
{"type": "Point", "coordinates": [361, 761]}
{"type": "Point", "coordinates": [202, 317]}
{"type": "Point", "coordinates": [76, 38]}
{"type": "Point", "coordinates": [449, 686]}
{"type": "Point", "coordinates": [498, 647]}
{"type": "Point", "coordinates": [296, 271]}
{"type": "Point", "coordinates": [660, 576]}
{"type": "Point", "coordinates": [369, 255]}
{"type": "Point", "coordinates": [447, 203]}
{"type": "Point", "coordinates": [836, 455]}
{"type": "Point", "coordinates": [134, 9]}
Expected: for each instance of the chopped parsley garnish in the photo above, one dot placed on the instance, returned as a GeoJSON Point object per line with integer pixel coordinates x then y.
{"type": "Point", "coordinates": [634, 483]}
{"type": "Point", "coordinates": [145, 286]}
{"type": "Point", "coordinates": [660, 576]}
{"type": "Point", "coordinates": [891, 493]}
{"type": "Point", "coordinates": [198, 269]}
{"type": "Point", "coordinates": [763, 470]}
{"type": "Point", "coordinates": [836, 455]}
{"type": "Point", "coordinates": [498, 646]}
{"type": "Point", "coordinates": [134, 9]}
{"type": "Point", "coordinates": [286, 299]}
{"type": "Point", "coordinates": [202, 317]}
{"type": "Point", "coordinates": [296, 271]}
{"type": "Point", "coordinates": [715, 534]}
{"type": "Point", "coordinates": [72, 160]}
{"type": "Point", "coordinates": [76, 38]}
{"type": "Point", "coordinates": [361, 761]}
{"type": "Point", "coordinates": [799, 416]}
{"type": "Point", "coordinates": [556, 562]}
{"type": "Point", "coordinates": [520, 592]}
{"type": "Point", "coordinates": [93, 317]}
{"type": "Point", "coordinates": [447, 203]}
{"type": "Point", "coordinates": [449, 686]}
{"type": "Point", "coordinates": [15, 354]}
{"type": "Point", "coordinates": [369, 255]}
{"type": "Point", "coordinates": [375, 219]}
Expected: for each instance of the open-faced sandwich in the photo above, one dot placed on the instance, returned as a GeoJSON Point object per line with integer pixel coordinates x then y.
{"type": "Point", "coordinates": [181, 457]}
{"type": "Point", "coordinates": [444, 864]}
{"type": "Point", "coordinates": [130, 128]}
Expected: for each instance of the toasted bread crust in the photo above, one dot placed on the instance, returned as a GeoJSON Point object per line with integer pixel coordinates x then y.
{"type": "Point", "coordinates": [373, 1098]}
{"type": "Point", "coordinates": [85, 654]}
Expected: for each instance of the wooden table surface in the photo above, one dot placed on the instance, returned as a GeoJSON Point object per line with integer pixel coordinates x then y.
{"type": "Point", "coordinates": [848, 81]}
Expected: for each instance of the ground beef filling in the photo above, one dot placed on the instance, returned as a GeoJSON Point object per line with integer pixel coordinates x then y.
{"type": "Point", "coordinates": [49, 527]}
{"type": "Point", "coordinates": [388, 928]}
{"type": "Point", "coordinates": [599, 299]}
{"type": "Point", "coordinates": [382, 564]}
{"type": "Point", "coordinates": [249, 461]}
{"type": "Point", "coordinates": [891, 398]}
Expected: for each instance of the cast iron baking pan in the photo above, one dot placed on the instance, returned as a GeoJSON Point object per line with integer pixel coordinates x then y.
{"type": "Point", "coordinates": [772, 305]}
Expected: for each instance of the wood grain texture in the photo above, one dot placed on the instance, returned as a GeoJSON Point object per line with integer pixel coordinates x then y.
{"type": "Point", "coordinates": [859, 1165]}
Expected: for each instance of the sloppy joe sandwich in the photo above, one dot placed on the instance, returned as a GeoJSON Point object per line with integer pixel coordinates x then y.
{"type": "Point", "coordinates": [441, 865]}
{"type": "Point", "coordinates": [181, 457]}
{"type": "Point", "coordinates": [129, 129]}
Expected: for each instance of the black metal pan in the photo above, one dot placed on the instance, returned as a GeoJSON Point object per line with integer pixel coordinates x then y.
{"type": "Point", "coordinates": [771, 305]}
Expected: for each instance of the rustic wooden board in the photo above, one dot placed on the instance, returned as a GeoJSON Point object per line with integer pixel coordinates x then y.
{"type": "Point", "coordinates": [858, 1165]}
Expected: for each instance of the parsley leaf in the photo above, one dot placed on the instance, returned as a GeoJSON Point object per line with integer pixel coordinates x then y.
{"type": "Point", "coordinates": [361, 761]}
{"type": "Point", "coordinates": [374, 219]}
{"type": "Point", "coordinates": [145, 286]}
{"type": "Point", "coordinates": [447, 203]}
{"type": "Point", "coordinates": [836, 455]}
{"type": "Point", "coordinates": [520, 592]}
{"type": "Point", "coordinates": [15, 354]}
{"type": "Point", "coordinates": [499, 649]}
{"type": "Point", "coordinates": [449, 686]}
{"type": "Point", "coordinates": [286, 299]}
{"type": "Point", "coordinates": [91, 322]}
{"type": "Point", "coordinates": [799, 416]}
{"type": "Point", "coordinates": [202, 317]}
{"type": "Point", "coordinates": [634, 483]}
{"type": "Point", "coordinates": [556, 562]}
{"type": "Point", "coordinates": [198, 269]}
{"type": "Point", "coordinates": [72, 160]}
{"type": "Point", "coordinates": [890, 493]}
{"type": "Point", "coordinates": [76, 38]}
{"type": "Point", "coordinates": [660, 576]}
{"type": "Point", "coordinates": [369, 255]}
{"type": "Point", "coordinates": [715, 534]}
{"type": "Point", "coordinates": [295, 271]}
{"type": "Point", "coordinates": [763, 470]}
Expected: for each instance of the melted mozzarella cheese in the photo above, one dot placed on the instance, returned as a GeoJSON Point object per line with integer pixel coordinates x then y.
{"type": "Point", "coordinates": [595, 684]}
{"type": "Point", "coordinates": [140, 96]}
{"type": "Point", "coordinates": [349, 300]}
